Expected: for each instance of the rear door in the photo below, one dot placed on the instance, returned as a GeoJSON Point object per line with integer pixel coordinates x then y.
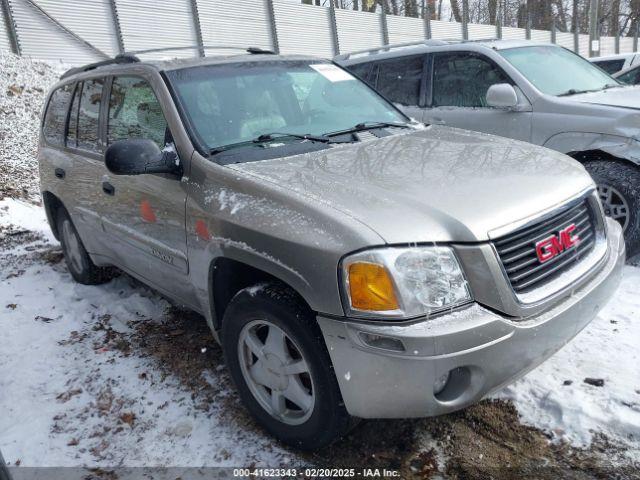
{"type": "Point", "coordinates": [144, 214]}
{"type": "Point", "coordinates": [458, 96]}
{"type": "Point", "coordinates": [84, 151]}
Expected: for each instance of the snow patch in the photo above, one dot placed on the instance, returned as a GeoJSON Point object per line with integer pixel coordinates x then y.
{"type": "Point", "coordinates": [555, 397]}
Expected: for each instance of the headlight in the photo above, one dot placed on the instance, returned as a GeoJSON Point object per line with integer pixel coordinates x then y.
{"type": "Point", "coordinates": [403, 282]}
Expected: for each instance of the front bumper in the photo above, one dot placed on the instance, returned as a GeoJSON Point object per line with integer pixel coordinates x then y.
{"type": "Point", "coordinates": [483, 350]}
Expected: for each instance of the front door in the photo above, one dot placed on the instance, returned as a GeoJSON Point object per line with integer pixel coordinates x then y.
{"type": "Point", "coordinates": [457, 97]}
{"type": "Point", "coordinates": [144, 215]}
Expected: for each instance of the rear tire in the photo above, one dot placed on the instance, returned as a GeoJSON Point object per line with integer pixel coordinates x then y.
{"type": "Point", "coordinates": [304, 410]}
{"type": "Point", "coordinates": [619, 190]}
{"type": "Point", "coordinates": [80, 265]}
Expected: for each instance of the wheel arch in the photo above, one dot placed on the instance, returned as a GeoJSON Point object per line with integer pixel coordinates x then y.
{"type": "Point", "coordinates": [52, 204]}
{"type": "Point", "coordinates": [584, 156]}
{"type": "Point", "coordinates": [584, 146]}
{"type": "Point", "coordinates": [227, 276]}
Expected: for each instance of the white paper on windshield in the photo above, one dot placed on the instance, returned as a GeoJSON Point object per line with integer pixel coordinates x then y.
{"type": "Point", "coordinates": [331, 72]}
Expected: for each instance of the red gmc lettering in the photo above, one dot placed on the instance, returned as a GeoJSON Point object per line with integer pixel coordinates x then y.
{"type": "Point", "coordinates": [554, 245]}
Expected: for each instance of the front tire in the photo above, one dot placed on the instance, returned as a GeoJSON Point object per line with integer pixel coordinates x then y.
{"type": "Point", "coordinates": [619, 190]}
{"type": "Point", "coordinates": [279, 363]}
{"type": "Point", "coordinates": [80, 265]}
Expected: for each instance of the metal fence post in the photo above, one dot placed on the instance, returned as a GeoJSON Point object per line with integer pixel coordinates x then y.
{"type": "Point", "coordinates": [465, 19]}
{"type": "Point", "coordinates": [594, 38]}
{"type": "Point", "coordinates": [618, 41]}
{"type": "Point", "coordinates": [197, 26]}
{"type": "Point", "coordinates": [635, 38]}
{"type": "Point", "coordinates": [333, 26]}
{"type": "Point", "coordinates": [553, 31]}
{"type": "Point", "coordinates": [528, 24]}
{"type": "Point", "coordinates": [384, 28]}
{"type": "Point", "coordinates": [426, 15]}
{"type": "Point", "coordinates": [11, 28]}
{"type": "Point", "coordinates": [271, 14]}
{"type": "Point", "coordinates": [499, 21]}
{"type": "Point", "coordinates": [116, 26]}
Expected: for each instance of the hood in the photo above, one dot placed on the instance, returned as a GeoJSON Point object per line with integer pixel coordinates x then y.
{"type": "Point", "coordinates": [439, 184]}
{"type": "Point", "coordinates": [625, 97]}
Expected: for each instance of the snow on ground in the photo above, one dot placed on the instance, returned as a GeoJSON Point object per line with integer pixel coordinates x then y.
{"type": "Point", "coordinates": [555, 397]}
{"type": "Point", "coordinates": [72, 394]}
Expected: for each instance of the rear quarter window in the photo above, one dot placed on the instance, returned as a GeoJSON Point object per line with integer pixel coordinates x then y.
{"type": "Point", "coordinates": [56, 115]}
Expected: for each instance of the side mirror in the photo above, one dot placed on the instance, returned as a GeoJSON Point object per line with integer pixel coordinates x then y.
{"type": "Point", "coordinates": [502, 95]}
{"type": "Point", "coordinates": [138, 156]}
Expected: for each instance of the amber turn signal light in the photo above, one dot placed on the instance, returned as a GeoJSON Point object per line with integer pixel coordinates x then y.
{"type": "Point", "coordinates": [371, 288]}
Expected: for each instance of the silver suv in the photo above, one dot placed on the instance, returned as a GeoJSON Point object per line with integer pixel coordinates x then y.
{"type": "Point", "coordinates": [352, 263]}
{"type": "Point", "coordinates": [536, 92]}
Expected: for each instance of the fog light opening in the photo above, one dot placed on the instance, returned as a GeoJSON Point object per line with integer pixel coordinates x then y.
{"type": "Point", "coordinates": [441, 382]}
{"type": "Point", "coordinates": [457, 385]}
{"type": "Point", "coordinates": [382, 342]}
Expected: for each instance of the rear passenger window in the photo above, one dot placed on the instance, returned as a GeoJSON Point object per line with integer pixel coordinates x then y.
{"type": "Point", "coordinates": [134, 112]}
{"type": "Point", "coordinates": [399, 79]}
{"type": "Point", "coordinates": [89, 113]}
{"type": "Point", "coordinates": [56, 115]}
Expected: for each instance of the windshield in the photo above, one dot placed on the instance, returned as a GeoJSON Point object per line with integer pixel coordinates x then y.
{"type": "Point", "coordinates": [235, 103]}
{"type": "Point", "coordinates": [557, 71]}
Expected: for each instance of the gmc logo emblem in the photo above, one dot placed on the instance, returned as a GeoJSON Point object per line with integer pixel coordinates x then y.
{"type": "Point", "coordinates": [554, 245]}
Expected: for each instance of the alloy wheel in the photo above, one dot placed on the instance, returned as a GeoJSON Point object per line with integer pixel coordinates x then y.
{"type": "Point", "coordinates": [276, 372]}
{"type": "Point", "coordinates": [614, 204]}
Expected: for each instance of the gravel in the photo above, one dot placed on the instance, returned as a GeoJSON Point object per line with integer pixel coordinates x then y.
{"type": "Point", "coordinates": [24, 84]}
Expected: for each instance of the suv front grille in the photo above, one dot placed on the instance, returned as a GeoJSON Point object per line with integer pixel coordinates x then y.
{"type": "Point", "coordinates": [517, 250]}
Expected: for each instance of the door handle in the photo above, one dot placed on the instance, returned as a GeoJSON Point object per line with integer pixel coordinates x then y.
{"type": "Point", "coordinates": [59, 172]}
{"type": "Point", "coordinates": [108, 188]}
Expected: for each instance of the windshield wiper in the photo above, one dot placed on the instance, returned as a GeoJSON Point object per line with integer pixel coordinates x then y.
{"type": "Point", "coordinates": [361, 127]}
{"type": "Point", "coordinates": [573, 91]}
{"type": "Point", "coordinates": [268, 137]}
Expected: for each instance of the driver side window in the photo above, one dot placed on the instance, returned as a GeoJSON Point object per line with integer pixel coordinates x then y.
{"type": "Point", "coordinates": [462, 80]}
{"type": "Point", "coordinates": [134, 112]}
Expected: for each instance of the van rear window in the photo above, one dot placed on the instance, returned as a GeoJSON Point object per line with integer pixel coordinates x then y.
{"type": "Point", "coordinates": [56, 115]}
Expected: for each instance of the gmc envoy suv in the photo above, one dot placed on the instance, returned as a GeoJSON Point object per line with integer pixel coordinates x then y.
{"type": "Point", "coordinates": [351, 262]}
{"type": "Point", "coordinates": [536, 92]}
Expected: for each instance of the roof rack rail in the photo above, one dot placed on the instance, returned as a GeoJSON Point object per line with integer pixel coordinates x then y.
{"type": "Point", "coordinates": [252, 50]}
{"type": "Point", "coordinates": [387, 48]}
{"type": "Point", "coordinates": [121, 58]}
{"type": "Point", "coordinates": [132, 57]}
